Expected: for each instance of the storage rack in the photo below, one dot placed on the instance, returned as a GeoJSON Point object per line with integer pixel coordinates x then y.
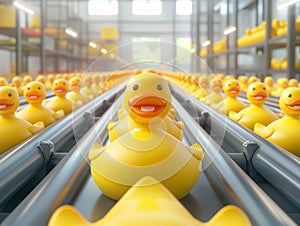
{"type": "Point", "coordinates": [23, 48]}
{"type": "Point", "coordinates": [263, 11]}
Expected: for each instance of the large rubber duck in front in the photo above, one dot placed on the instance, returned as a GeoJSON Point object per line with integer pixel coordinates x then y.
{"type": "Point", "coordinates": [257, 95]}
{"type": "Point", "coordinates": [149, 203]}
{"type": "Point", "coordinates": [13, 130]}
{"type": "Point", "coordinates": [285, 131]}
{"type": "Point", "coordinates": [147, 149]}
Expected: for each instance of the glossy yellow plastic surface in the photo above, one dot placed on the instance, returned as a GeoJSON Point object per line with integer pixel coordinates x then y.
{"type": "Point", "coordinates": [232, 90]}
{"type": "Point", "coordinates": [285, 131]}
{"type": "Point", "coordinates": [78, 98]}
{"type": "Point", "coordinates": [35, 93]}
{"type": "Point", "coordinates": [215, 96]}
{"type": "Point", "coordinates": [203, 84]}
{"type": "Point", "coordinates": [12, 129]}
{"type": "Point", "coordinates": [269, 82]}
{"type": "Point", "coordinates": [87, 87]}
{"type": "Point", "coordinates": [147, 149]}
{"type": "Point", "coordinates": [125, 124]}
{"type": "Point", "coordinates": [149, 203]}
{"type": "Point", "coordinates": [60, 87]}
{"type": "Point", "coordinates": [257, 95]}
{"type": "Point", "coordinates": [281, 84]}
{"type": "Point", "coordinates": [17, 84]}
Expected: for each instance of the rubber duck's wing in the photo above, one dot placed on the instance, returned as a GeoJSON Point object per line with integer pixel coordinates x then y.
{"type": "Point", "coordinates": [67, 216]}
{"type": "Point", "coordinates": [96, 150]}
{"type": "Point", "coordinates": [234, 115]}
{"type": "Point", "coordinates": [37, 127]}
{"type": "Point", "coordinates": [59, 114]}
{"type": "Point", "coordinates": [111, 125]}
{"type": "Point", "coordinates": [196, 151]}
{"type": "Point", "coordinates": [229, 216]}
{"type": "Point", "coordinates": [262, 130]}
{"type": "Point", "coordinates": [179, 124]}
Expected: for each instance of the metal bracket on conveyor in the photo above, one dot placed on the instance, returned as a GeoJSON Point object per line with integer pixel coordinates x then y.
{"type": "Point", "coordinates": [251, 147]}
{"type": "Point", "coordinates": [47, 150]}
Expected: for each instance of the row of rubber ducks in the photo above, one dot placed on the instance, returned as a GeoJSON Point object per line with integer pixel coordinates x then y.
{"type": "Point", "coordinates": [277, 128]}
{"type": "Point", "coordinates": [282, 64]}
{"type": "Point", "coordinates": [146, 167]}
{"type": "Point", "coordinates": [91, 80]}
{"type": "Point", "coordinates": [16, 126]}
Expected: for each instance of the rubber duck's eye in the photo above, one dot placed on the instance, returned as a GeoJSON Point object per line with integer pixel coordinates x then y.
{"type": "Point", "coordinates": [253, 88]}
{"type": "Point", "coordinates": [135, 87]}
{"type": "Point", "coordinates": [290, 95]}
{"type": "Point", "coordinates": [159, 87]}
{"type": "Point", "coordinates": [264, 88]}
{"type": "Point", "coordinates": [9, 94]}
{"type": "Point", "coordinates": [39, 87]}
{"type": "Point", "coordinates": [55, 84]}
{"type": "Point", "coordinates": [28, 88]}
{"type": "Point", "coordinates": [229, 84]}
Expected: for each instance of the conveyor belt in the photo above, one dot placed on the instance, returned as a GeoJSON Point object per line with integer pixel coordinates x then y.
{"type": "Point", "coordinates": [275, 170]}
{"type": "Point", "coordinates": [26, 164]}
{"type": "Point", "coordinates": [222, 182]}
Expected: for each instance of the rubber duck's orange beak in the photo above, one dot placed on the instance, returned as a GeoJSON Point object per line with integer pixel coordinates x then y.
{"type": "Point", "coordinates": [294, 104]}
{"type": "Point", "coordinates": [60, 89]}
{"type": "Point", "coordinates": [259, 96]}
{"type": "Point", "coordinates": [33, 95]}
{"type": "Point", "coordinates": [234, 90]}
{"type": "Point", "coordinates": [6, 104]}
{"type": "Point", "coordinates": [147, 105]}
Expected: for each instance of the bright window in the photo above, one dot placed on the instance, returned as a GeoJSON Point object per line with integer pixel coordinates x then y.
{"type": "Point", "coordinates": [103, 7]}
{"type": "Point", "coordinates": [183, 50]}
{"type": "Point", "coordinates": [146, 7]}
{"type": "Point", "coordinates": [146, 48]}
{"type": "Point", "coordinates": [184, 7]}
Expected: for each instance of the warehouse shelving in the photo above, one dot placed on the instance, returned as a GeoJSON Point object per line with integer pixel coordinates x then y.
{"type": "Point", "coordinates": [288, 41]}
{"type": "Point", "coordinates": [46, 45]}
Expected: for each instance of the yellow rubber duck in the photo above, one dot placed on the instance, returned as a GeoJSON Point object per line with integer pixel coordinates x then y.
{"type": "Point", "coordinates": [285, 131]}
{"type": "Point", "coordinates": [243, 80]}
{"type": "Point", "coordinates": [147, 150]}
{"type": "Point", "coordinates": [293, 82]}
{"type": "Point", "coordinates": [232, 90]}
{"type": "Point", "coordinates": [17, 84]}
{"type": "Point", "coordinates": [41, 78]}
{"type": "Point", "coordinates": [49, 82]}
{"type": "Point", "coordinates": [269, 82]}
{"type": "Point", "coordinates": [149, 203]}
{"type": "Point", "coordinates": [281, 84]}
{"type": "Point", "coordinates": [26, 80]}
{"type": "Point", "coordinates": [13, 130]}
{"type": "Point", "coordinates": [215, 96]}
{"type": "Point", "coordinates": [125, 125]}
{"type": "Point", "coordinates": [87, 87]}
{"type": "Point", "coordinates": [3, 82]}
{"type": "Point", "coordinates": [35, 93]}
{"type": "Point", "coordinates": [78, 98]}
{"type": "Point", "coordinates": [257, 95]}
{"type": "Point", "coordinates": [203, 84]}
{"type": "Point", "coordinates": [60, 87]}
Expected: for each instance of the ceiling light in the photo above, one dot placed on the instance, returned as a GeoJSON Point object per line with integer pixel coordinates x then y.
{"type": "Point", "coordinates": [93, 45]}
{"type": "Point", "coordinates": [285, 3]}
{"type": "Point", "coordinates": [206, 43]}
{"type": "Point", "coordinates": [22, 6]}
{"type": "Point", "coordinates": [229, 30]}
{"type": "Point", "coordinates": [71, 32]}
{"type": "Point", "coordinates": [104, 51]}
